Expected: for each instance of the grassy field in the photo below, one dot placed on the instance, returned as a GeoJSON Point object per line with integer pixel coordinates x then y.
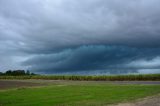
{"type": "Point", "coordinates": [140, 77]}
{"type": "Point", "coordinates": [77, 94]}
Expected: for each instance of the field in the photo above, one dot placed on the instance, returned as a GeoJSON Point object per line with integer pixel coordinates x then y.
{"type": "Point", "coordinates": [139, 77]}
{"type": "Point", "coordinates": [73, 93]}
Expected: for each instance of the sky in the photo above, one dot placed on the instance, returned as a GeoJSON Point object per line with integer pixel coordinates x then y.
{"type": "Point", "coordinates": [80, 36]}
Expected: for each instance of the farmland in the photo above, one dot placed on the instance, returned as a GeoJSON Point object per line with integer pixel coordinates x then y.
{"type": "Point", "coordinates": [73, 93]}
{"type": "Point", "coordinates": [139, 77]}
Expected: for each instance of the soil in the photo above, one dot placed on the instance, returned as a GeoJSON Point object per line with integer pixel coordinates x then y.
{"type": "Point", "coordinates": [149, 101]}
{"type": "Point", "coordinates": [7, 84]}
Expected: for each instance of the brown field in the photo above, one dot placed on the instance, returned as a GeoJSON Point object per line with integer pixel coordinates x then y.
{"type": "Point", "coordinates": [7, 84]}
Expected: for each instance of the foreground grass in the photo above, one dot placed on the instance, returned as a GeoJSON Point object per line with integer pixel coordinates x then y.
{"type": "Point", "coordinates": [76, 95]}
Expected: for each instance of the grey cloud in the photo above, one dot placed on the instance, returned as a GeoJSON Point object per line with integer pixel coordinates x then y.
{"type": "Point", "coordinates": [54, 30]}
{"type": "Point", "coordinates": [146, 63]}
{"type": "Point", "coordinates": [73, 23]}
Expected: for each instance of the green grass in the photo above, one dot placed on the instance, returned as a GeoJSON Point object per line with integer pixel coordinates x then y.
{"type": "Point", "coordinates": [139, 77]}
{"type": "Point", "coordinates": [76, 95]}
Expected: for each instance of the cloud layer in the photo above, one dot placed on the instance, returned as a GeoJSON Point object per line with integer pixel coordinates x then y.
{"type": "Point", "coordinates": [109, 59]}
{"type": "Point", "coordinates": [57, 36]}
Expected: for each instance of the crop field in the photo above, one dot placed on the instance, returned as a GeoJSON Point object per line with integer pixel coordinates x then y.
{"type": "Point", "coordinates": [139, 77]}
{"type": "Point", "coordinates": [72, 93]}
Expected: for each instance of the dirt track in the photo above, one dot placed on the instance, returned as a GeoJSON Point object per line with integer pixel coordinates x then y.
{"type": "Point", "coordinates": [149, 101]}
{"type": "Point", "coordinates": [93, 82]}
{"type": "Point", "coordinates": [7, 84]}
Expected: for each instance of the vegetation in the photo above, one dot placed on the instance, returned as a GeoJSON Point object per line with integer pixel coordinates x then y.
{"type": "Point", "coordinates": [145, 77]}
{"type": "Point", "coordinates": [76, 95]}
{"type": "Point", "coordinates": [16, 73]}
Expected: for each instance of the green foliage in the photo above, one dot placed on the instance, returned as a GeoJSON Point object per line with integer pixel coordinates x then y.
{"type": "Point", "coordinates": [1, 73]}
{"type": "Point", "coordinates": [76, 95]}
{"type": "Point", "coordinates": [16, 73]}
{"type": "Point", "coordinates": [145, 77]}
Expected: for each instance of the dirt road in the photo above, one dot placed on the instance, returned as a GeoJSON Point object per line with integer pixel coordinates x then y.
{"type": "Point", "coordinates": [149, 101]}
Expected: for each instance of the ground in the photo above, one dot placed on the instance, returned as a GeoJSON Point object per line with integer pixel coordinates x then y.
{"type": "Point", "coordinates": [148, 101]}
{"type": "Point", "coordinates": [7, 84]}
{"type": "Point", "coordinates": [77, 93]}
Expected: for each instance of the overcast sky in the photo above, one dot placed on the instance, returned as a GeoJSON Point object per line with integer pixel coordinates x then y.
{"type": "Point", "coordinates": [80, 36]}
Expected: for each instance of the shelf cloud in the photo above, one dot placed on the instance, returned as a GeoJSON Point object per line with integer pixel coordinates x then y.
{"type": "Point", "coordinates": [80, 36]}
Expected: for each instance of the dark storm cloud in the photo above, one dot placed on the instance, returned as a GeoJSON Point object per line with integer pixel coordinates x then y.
{"type": "Point", "coordinates": [110, 59]}
{"type": "Point", "coordinates": [56, 31]}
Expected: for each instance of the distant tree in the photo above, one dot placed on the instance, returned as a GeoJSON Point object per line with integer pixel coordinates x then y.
{"type": "Point", "coordinates": [17, 73]}
{"type": "Point", "coordinates": [9, 72]}
{"type": "Point", "coordinates": [1, 73]}
{"type": "Point", "coordinates": [28, 72]}
{"type": "Point", "coordinates": [33, 73]}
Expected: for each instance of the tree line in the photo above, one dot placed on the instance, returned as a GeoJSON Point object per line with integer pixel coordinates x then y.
{"type": "Point", "coordinates": [16, 73]}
